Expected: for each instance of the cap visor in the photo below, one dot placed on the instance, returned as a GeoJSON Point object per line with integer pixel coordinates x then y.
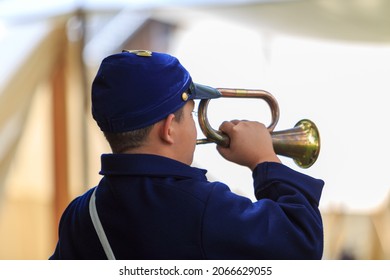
{"type": "Point", "coordinates": [199, 91]}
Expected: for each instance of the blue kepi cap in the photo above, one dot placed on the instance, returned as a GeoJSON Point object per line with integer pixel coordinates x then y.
{"type": "Point", "coordinates": [135, 89]}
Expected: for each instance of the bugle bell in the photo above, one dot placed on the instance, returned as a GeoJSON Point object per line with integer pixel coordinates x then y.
{"type": "Point", "coordinates": [301, 143]}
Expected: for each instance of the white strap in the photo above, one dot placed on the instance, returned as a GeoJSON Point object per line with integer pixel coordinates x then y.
{"type": "Point", "coordinates": [99, 228]}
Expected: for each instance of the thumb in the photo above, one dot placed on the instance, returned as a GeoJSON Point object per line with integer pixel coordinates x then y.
{"type": "Point", "coordinates": [227, 126]}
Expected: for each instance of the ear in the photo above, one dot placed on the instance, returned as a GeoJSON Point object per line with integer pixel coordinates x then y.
{"type": "Point", "coordinates": [167, 129]}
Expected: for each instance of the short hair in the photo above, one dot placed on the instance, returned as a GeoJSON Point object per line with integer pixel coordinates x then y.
{"type": "Point", "coordinates": [124, 141]}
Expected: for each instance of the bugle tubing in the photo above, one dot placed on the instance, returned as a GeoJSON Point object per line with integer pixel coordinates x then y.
{"type": "Point", "coordinates": [301, 143]}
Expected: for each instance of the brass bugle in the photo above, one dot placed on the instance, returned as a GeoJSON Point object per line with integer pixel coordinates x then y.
{"type": "Point", "coordinates": [301, 143]}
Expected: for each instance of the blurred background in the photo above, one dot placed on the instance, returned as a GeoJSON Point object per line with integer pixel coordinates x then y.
{"type": "Point", "coordinates": [325, 60]}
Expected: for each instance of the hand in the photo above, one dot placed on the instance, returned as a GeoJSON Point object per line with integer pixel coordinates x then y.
{"type": "Point", "coordinates": [250, 143]}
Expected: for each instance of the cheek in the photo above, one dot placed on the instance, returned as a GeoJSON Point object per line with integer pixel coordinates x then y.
{"type": "Point", "coordinates": [192, 143]}
{"type": "Point", "coordinates": [194, 132]}
{"type": "Point", "coordinates": [191, 135]}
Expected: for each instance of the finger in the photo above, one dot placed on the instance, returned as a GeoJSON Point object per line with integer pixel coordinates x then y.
{"type": "Point", "coordinates": [223, 151]}
{"type": "Point", "coordinates": [226, 126]}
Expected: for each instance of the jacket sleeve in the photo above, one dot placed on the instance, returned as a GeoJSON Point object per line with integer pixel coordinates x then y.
{"type": "Point", "coordinates": [284, 223]}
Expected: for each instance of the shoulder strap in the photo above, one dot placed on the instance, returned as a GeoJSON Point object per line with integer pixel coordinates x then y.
{"type": "Point", "coordinates": [99, 228]}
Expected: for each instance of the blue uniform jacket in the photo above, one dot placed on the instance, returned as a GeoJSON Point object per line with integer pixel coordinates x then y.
{"type": "Point", "coordinates": [153, 207]}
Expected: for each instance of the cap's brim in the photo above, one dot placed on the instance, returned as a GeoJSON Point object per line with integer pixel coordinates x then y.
{"type": "Point", "coordinates": [198, 91]}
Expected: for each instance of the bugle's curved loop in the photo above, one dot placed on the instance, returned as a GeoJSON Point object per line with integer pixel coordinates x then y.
{"type": "Point", "coordinates": [218, 137]}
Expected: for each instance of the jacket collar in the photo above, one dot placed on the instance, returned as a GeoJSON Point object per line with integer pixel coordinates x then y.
{"type": "Point", "coordinates": [146, 164]}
